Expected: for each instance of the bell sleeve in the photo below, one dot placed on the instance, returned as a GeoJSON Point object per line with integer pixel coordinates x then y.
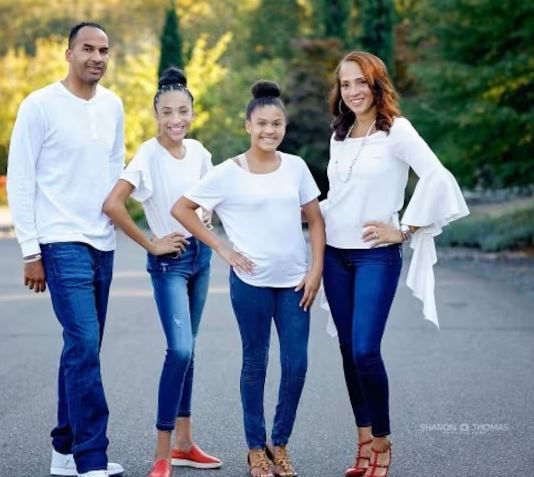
{"type": "Point", "coordinates": [436, 201]}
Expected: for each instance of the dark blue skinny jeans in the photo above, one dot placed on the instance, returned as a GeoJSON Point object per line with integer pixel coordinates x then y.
{"type": "Point", "coordinates": [255, 308]}
{"type": "Point", "coordinates": [78, 278]}
{"type": "Point", "coordinates": [360, 285]}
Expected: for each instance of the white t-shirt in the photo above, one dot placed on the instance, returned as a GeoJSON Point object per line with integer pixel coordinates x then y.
{"type": "Point", "coordinates": [261, 214]}
{"type": "Point", "coordinates": [65, 155]}
{"type": "Point", "coordinates": [160, 180]}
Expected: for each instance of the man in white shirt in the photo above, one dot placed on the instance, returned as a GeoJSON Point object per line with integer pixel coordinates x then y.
{"type": "Point", "coordinates": [66, 152]}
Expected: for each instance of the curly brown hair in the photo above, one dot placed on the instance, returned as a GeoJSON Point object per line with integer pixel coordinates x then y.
{"type": "Point", "coordinates": [375, 73]}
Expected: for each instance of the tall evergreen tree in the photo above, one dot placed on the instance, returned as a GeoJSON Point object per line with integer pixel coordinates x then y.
{"type": "Point", "coordinates": [335, 17]}
{"type": "Point", "coordinates": [171, 41]}
{"type": "Point", "coordinates": [377, 22]}
{"type": "Point", "coordinates": [272, 27]}
{"type": "Point", "coordinates": [477, 100]}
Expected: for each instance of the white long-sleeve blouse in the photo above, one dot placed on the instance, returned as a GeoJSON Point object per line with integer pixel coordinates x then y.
{"type": "Point", "coordinates": [375, 192]}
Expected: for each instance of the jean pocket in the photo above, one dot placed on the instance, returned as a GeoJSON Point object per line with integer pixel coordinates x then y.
{"type": "Point", "coordinates": [69, 261]}
{"type": "Point", "coordinates": [181, 265]}
{"type": "Point", "coordinates": [390, 255]}
{"type": "Point", "coordinates": [156, 265]}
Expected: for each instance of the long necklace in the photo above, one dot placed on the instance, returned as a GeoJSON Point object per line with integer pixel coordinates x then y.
{"type": "Point", "coordinates": [356, 156]}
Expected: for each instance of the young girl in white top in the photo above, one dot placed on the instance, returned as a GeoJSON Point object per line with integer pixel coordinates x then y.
{"type": "Point", "coordinates": [163, 168]}
{"type": "Point", "coordinates": [371, 151]}
{"type": "Point", "coordinates": [259, 196]}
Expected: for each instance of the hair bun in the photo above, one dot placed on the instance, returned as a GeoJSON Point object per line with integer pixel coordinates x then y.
{"type": "Point", "coordinates": [172, 75]}
{"type": "Point", "coordinates": [265, 89]}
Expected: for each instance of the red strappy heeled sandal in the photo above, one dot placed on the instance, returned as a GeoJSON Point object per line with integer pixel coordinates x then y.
{"type": "Point", "coordinates": [358, 470]}
{"type": "Point", "coordinates": [375, 465]}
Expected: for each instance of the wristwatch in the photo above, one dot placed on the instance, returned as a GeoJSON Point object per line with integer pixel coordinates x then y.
{"type": "Point", "coordinates": [406, 233]}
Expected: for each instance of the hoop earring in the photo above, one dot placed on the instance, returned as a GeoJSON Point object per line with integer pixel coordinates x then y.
{"type": "Point", "coordinates": [339, 106]}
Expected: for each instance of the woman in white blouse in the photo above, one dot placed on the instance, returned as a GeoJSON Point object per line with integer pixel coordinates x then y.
{"type": "Point", "coordinates": [371, 151]}
{"type": "Point", "coordinates": [179, 265]}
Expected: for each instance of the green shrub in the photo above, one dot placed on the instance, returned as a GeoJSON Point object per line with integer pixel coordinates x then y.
{"type": "Point", "coordinates": [135, 209]}
{"type": "Point", "coordinates": [492, 232]}
{"type": "Point", "coordinates": [3, 192]}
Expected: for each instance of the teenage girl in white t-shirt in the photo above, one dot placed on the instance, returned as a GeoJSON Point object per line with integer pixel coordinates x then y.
{"type": "Point", "coordinates": [163, 168]}
{"type": "Point", "coordinates": [259, 196]}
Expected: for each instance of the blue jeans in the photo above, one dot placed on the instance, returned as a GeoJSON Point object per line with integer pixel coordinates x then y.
{"type": "Point", "coordinates": [254, 308]}
{"type": "Point", "coordinates": [360, 285]}
{"type": "Point", "coordinates": [78, 278]}
{"type": "Point", "coordinates": [180, 285]}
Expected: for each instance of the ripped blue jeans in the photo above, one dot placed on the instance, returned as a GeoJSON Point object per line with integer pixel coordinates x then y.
{"type": "Point", "coordinates": [180, 288]}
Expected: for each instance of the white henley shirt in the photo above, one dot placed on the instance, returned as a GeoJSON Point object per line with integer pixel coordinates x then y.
{"type": "Point", "coordinates": [65, 155]}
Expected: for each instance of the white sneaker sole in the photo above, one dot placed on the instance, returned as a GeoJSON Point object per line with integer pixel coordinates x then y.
{"type": "Point", "coordinates": [62, 472]}
{"type": "Point", "coordinates": [58, 471]}
{"type": "Point", "coordinates": [195, 465]}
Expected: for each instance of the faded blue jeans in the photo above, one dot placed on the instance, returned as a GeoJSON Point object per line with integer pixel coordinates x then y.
{"type": "Point", "coordinates": [255, 308]}
{"type": "Point", "coordinates": [360, 285]}
{"type": "Point", "coordinates": [180, 283]}
{"type": "Point", "coordinates": [78, 277]}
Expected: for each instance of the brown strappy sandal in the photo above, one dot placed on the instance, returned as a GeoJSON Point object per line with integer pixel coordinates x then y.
{"type": "Point", "coordinates": [261, 467]}
{"type": "Point", "coordinates": [281, 461]}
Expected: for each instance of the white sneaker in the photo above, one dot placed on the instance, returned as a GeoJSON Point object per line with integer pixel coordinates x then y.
{"type": "Point", "coordinates": [63, 465]}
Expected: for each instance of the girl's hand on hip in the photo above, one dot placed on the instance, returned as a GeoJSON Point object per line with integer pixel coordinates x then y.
{"type": "Point", "coordinates": [235, 259]}
{"type": "Point", "coordinates": [311, 283]}
{"type": "Point", "coordinates": [173, 242]}
{"type": "Point", "coordinates": [380, 233]}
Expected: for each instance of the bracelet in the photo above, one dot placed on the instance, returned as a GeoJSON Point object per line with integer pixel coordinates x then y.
{"type": "Point", "coordinates": [32, 258]}
{"type": "Point", "coordinates": [406, 233]}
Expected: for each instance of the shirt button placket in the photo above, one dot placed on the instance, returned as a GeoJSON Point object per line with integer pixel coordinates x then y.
{"type": "Point", "coordinates": [92, 121]}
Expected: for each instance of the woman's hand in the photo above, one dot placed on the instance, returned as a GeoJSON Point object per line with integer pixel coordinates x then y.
{"type": "Point", "coordinates": [311, 283]}
{"type": "Point", "coordinates": [173, 242]}
{"type": "Point", "coordinates": [379, 233]}
{"type": "Point", "coordinates": [235, 259]}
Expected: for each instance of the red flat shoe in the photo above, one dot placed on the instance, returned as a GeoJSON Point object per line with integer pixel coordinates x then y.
{"type": "Point", "coordinates": [195, 458]}
{"type": "Point", "coordinates": [161, 468]}
{"type": "Point", "coordinates": [358, 470]}
{"type": "Point", "coordinates": [374, 465]}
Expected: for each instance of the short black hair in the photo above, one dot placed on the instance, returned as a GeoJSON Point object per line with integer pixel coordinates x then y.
{"type": "Point", "coordinates": [76, 28]}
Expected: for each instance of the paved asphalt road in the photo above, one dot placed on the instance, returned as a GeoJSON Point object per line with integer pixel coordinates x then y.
{"type": "Point", "coordinates": [462, 400]}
